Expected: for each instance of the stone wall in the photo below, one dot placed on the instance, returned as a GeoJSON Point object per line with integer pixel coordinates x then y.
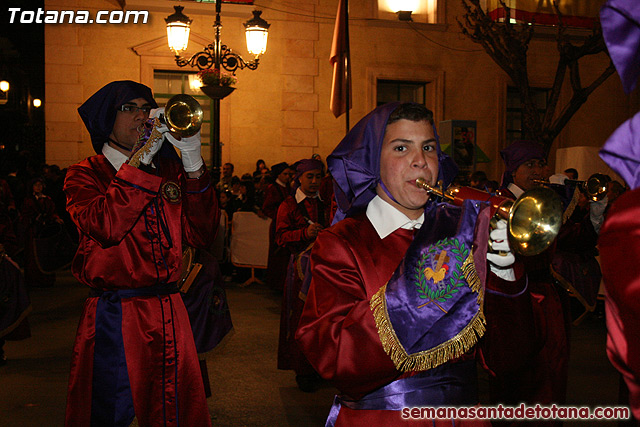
{"type": "Point", "coordinates": [280, 112]}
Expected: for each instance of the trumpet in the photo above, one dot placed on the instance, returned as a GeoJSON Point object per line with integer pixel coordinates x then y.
{"type": "Point", "coordinates": [595, 187]}
{"type": "Point", "coordinates": [533, 220]}
{"type": "Point", "coordinates": [183, 116]}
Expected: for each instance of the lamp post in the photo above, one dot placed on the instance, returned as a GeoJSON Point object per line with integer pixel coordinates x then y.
{"type": "Point", "coordinates": [217, 56]}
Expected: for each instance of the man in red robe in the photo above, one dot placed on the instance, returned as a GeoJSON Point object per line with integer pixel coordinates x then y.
{"type": "Point", "coordinates": [300, 218]}
{"type": "Point", "coordinates": [386, 338]}
{"type": "Point", "coordinates": [134, 204]}
{"type": "Point", "coordinates": [539, 373]}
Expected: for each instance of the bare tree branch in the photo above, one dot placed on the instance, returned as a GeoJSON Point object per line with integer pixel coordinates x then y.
{"type": "Point", "coordinates": [507, 45]}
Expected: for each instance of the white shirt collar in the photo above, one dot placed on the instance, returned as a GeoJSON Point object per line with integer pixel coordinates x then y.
{"type": "Point", "coordinates": [115, 157]}
{"type": "Point", "coordinates": [517, 191]}
{"type": "Point", "coordinates": [386, 219]}
{"type": "Point", "coordinates": [280, 183]}
{"type": "Point", "coordinates": [300, 196]}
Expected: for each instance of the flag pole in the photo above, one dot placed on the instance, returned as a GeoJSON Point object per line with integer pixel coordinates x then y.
{"type": "Point", "coordinates": [348, 61]}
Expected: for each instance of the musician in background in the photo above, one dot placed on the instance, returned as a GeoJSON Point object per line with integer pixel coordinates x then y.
{"type": "Point", "coordinates": [391, 319]}
{"type": "Point", "coordinates": [300, 218]}
{"type": "Point", "coordinates": [135, 203]}
{"type": "Point", "coordinates": [37, 216]}
{"type": "Point", "coordinates": [539, 375]}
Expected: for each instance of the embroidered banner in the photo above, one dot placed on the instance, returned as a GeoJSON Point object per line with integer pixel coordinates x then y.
{"type": "Point", "coordinates": [430, 311]}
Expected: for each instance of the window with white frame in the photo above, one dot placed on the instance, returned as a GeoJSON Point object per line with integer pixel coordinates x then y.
{"type": "Point", "coordinates": [169, 83]}
{"type": "Point", "coordinates": [424, 11]}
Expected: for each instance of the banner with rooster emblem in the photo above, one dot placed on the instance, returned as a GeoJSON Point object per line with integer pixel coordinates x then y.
{"type": "Point", "coordinates": [430, 311]}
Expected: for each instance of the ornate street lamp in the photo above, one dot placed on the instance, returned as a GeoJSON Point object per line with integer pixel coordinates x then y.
{"type": "Point", "coordinates": [4, 92]}
{"type": "Point", "coordinates": [217, 56]}
{"type": "Point", "coordinates": [178, 28]}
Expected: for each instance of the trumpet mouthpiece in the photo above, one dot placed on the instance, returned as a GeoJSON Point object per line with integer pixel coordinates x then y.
{"type": "Point", "coordinates": [422, 183]}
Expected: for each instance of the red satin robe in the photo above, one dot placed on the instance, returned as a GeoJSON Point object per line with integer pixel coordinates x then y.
{"type": "Point", "coordinates": [337, 330]}
{"type": "Point", "coordinates": [131, 237]}
{"type": "Point", "coordinates": [619, 246]}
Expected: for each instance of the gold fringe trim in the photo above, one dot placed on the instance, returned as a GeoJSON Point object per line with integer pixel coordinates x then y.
{"type": "Point", "coordinates": [471, 274]}
{"type": "Point", "coordinates": [455, 347]}
{"type": "Point", "coordinates": [572, 206]}
{"type": "Point", "coordinates": [136, 159]}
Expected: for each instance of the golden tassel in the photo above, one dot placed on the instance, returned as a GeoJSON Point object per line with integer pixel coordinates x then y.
{"type": "Point", "coordinates": [136, 158]}
{"type": "Point", "coordinates": [428, 359]}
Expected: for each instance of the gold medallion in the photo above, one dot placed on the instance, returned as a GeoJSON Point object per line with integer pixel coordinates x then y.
{"type": "Point", "coordinates": [171, 191]}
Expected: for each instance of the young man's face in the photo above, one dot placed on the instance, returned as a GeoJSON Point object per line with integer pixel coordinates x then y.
{"type": "Point", "coordinates": [408, 152]}
{"type": "Point", "coordinates": [286, 175]}
{"type": "Point", "coordinates": [528, 172]}
{"type": "Point", "coordinates": [125, 129]}
{"type": "Point", "coordinates": [227, 170]}
{"type": "Point", "coordinates": [310, 182]}
{"type": "Point", "coordinates": [38, 187]}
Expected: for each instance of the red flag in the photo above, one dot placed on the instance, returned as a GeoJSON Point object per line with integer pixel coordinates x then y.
{"type": "Point", "coordinates": [341, 85]}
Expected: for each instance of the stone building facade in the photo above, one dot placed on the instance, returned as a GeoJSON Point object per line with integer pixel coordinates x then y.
{"type": "Point", "coordinates": [280, 112]}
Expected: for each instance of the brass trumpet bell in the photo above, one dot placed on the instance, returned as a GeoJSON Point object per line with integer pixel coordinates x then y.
{"type": "Point", "coordinates": [533, 220]}
{"type": "Point", "coordinates": [183, 115]}
{"type": "Point", "coordinates": [596, 186]}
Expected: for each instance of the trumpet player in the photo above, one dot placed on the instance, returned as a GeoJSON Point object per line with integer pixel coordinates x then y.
{"type": "Point", "coordinates": [395, 305]}
{"type": "Point", "coordinates": [539, 375]}
{"type": "Point", "coordinates": [300, 219]}
{"type": "Point", "coordinates": [135, 202]}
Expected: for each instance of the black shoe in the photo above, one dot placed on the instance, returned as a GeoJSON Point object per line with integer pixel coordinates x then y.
{"type": "Point", "coordinates": [308, 383]}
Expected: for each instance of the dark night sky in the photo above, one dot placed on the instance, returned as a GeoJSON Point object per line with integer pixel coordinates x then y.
{"type": "Point", "coordinates": [22, 64]}
{"type": "Point", "coordinates": [28, 40]}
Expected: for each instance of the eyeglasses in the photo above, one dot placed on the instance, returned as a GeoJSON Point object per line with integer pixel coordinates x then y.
{"type": "Point", "coordinates": [533, 163]}
{"type": "Point", "coordinates": [129, 108]}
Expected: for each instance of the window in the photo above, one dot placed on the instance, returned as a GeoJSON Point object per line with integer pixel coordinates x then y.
{"type": "Point", "coordinates": [169, 83]}
{"type": "Point", "coordinates": [400, 90]}
{"type": "Point", "coordinates": [424, 11]}
{"type": "Point", "coordinates": [515, 112]}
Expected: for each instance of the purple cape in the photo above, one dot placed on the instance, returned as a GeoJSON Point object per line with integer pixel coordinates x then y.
{"type": "Point", "coordinates": [620, 20]}
{"type": "Point", "coordinates": [622, 151]}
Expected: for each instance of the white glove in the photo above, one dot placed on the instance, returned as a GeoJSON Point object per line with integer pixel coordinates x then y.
{"type": "Point", "coordinates": [156, 112]}
{"type": "Point", "coordinates": [596, 213]}
{"type": "Point", "coordinates": [500, 264]}
{"type": "Point", "coordinates": [558, 178]}
{"type": "Point", "coordinates": [145, 153]}
{"type": "Point", "coordinates": [189, 150]}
